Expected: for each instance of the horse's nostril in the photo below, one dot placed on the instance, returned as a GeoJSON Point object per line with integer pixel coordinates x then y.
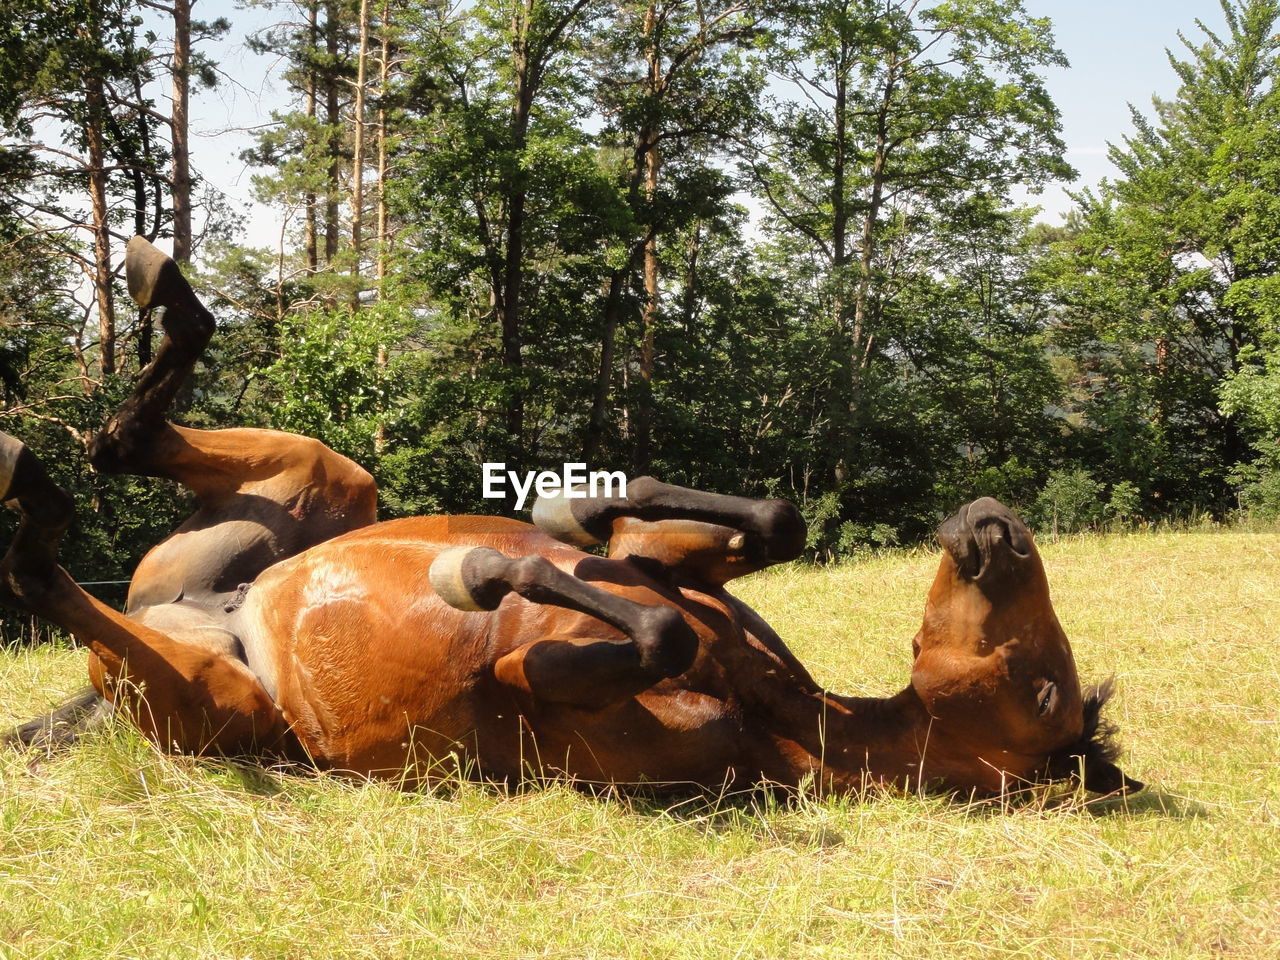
{"type": "Point", "coordinates": [994, 524]}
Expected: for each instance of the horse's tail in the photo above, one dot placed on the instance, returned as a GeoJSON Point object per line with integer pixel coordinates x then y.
{"type": "Point", "coordinates": [83, 711]}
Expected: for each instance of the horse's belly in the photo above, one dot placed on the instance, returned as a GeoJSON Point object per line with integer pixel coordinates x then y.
{"type": "Point", "coordinates": [666, 736]}
{"type": "Point", "coordinates": [371, 679]}
{"type": "Point", "coordinates": [376, 674]}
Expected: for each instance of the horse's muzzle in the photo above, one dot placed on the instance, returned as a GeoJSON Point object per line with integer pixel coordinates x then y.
{"type": "Point", "coordinates": [986, 540]}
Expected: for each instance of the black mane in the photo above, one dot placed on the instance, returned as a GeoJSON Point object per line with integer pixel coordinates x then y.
{"type": "Point", "coordinates": [1092, 757]}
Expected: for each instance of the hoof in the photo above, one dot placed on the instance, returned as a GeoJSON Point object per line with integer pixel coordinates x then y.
{"type": "Point", "coordinates": [10, 449]}
{"type": "Point", "coordinates": [154, 279]}
{"type": "Point", "coordinates": [554, 517]}
{"type": "Point", "coordinates": [448, 581]}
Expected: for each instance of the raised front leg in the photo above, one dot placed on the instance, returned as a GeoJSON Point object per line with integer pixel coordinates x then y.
{"type": "Point", "coordinates": [584, 671]}
{"type": "Point", "coordinates": [709, 536]}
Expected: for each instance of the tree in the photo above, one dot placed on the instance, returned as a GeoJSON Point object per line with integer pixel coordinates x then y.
{"type": "Point", "coordinates": [885, 171]}
{"type": "Point", "coordinates": [676, 92]}
{"type": "Point", "coordinates": [506, 205]}
{"type": "Point", "coordinates": [305, 152]}
{"type": "Point", "coordinates": [1170, 277]}
{"type": "Point", "coordinates": [898, 115]}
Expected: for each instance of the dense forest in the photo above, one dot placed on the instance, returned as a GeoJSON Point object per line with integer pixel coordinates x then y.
{"type": "Point", "coordinates": [766, 249]}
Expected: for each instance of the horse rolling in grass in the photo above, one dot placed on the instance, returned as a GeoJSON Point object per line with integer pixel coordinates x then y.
{"type": "Point", "coordinates": [281, 621]}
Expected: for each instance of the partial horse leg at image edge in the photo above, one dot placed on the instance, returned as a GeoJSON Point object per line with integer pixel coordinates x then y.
{"type": "Point", "coordinates": [194, 698]}
{"type": "Point", "coordinates": [83, 711]}
{"type": "Point", "coordinates": [583, 671]}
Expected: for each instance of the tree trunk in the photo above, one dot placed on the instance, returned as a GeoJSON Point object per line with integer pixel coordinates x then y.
{"type": "Point", "coordinates": [96, 102]}
{"type": "Point", "coordinates": [357, 159]}
{"type": "Point", "coordinates": [333, 120]}
{"type": "Point", "coordinates": [691, 277]}
{"type": "Point", "coordinates": [508, 302]}
{"type": "Point", "coordinates": [181, 153]}
{"type": "Point", "coordinates": [384, 75]}
{"type": "Point", "coordinates": [608, 343]}
{"type": "Point", "coordinates": [642, 453]}
{"type": "Point", "coordinates": [861, 341]}
{"type": "Point", "coordinates": [384, 69]}
{"type": "Point", "coordinates": [309, 227]}
{"type": "Point", "coordinates": [839, 201]}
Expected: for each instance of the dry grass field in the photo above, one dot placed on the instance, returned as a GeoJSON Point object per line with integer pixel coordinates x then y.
{"type": "Point", "coordinates": [112, 850]}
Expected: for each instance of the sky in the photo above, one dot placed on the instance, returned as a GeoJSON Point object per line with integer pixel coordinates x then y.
{"type": "Point", "coordinates": [1117, 50]}
{"type": "Point", "coordinates": [1117, 54]}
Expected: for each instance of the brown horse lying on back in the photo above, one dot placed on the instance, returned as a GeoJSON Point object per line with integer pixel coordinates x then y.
{"type": "Point", "coordinates": [280, 620]}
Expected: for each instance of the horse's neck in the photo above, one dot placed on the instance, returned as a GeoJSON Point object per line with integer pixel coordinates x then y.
{"type": "Point", "coordinates": [808, 731]}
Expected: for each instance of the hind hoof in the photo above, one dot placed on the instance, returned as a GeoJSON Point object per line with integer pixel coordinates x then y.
{"type": "Point", "coordinates": [10, 450]}
{"type": "Point", "coordinates": [155, 280]}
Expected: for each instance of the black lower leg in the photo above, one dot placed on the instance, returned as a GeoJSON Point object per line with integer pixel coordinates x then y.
{"type": "Point", "coordinates": [46, 511]}
{"type": "Point", "coordinates": [154, 281]}
{"type": "Point", "coordinates": [83, 711]}
{"type": "Point", "coordinates": [479, 577]}
{"type": "Point", "coordinates": [775, 528]}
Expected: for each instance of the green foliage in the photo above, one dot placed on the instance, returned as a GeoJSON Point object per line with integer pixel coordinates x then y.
{"type": "Point", "coordinates": [326, 383]}
{"type": "Point", "coordinates": [1258, 482]}
{"type": "Point", "coordinates": [1253, 394]}
{"type": "Point", "coordinates": [1168, 277]}
{"type": "Point", "coordinates": [1069, 502]}
{"type": "Point", "coordinates": [1124, 506]}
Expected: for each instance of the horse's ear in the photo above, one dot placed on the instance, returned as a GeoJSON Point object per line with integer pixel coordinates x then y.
{"type": "Point", "coordinates": [1103, 776]}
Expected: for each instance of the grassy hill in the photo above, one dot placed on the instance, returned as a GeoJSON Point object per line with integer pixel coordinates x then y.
{"type": "Point", "coordinates": [113, 850]}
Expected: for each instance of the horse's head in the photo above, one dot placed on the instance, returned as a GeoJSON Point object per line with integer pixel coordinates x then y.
{"type": "Point", "coordinates": [994, 668]}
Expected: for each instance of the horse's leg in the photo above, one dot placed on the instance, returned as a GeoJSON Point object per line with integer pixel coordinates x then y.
{"type": "Point", "coordinates": [584, 671]}
{"type": "Point", "coordinates": [127, 443]}
{"type": "Point", "coordinates": [710, 535]}
{"type": "Point", "coordinates": [83, 710]}
{"type": "Point", "coordinates": [264, 495]}
{"type": "Point", "coordinates": [182, 693]}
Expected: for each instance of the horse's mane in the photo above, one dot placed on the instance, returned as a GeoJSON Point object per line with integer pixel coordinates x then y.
{"type": "Point", "coordinates": [1096, 748]}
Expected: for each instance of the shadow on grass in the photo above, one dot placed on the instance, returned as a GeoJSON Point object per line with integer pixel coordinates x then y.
{"type": "Point", "coordinates": [769, 809]}
{"type": "Point", "coordinates": [1060, 799]}
{"type": "Point", "coordinates": [1149, 803]}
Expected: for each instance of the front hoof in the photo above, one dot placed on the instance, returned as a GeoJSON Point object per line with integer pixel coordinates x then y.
{"type": "Point", "coordinates": [554, 517]}
{"type": "Point", "coordinates": [449, 580]}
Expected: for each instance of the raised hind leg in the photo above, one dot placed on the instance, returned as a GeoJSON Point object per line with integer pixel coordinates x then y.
{"type": "Point", "coordinates": [181, 692]}
{"type": "Point", "coordinates": [584, 671]}
{"type": "Point", "coordinates": [264, 495]}
{"type": "Point", "coordinates": [710, 537]}
{"type": "Point", "coordinates": [125, 444]}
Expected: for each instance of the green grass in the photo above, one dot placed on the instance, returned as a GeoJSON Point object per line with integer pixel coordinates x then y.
{"type": "Point", "coordinates": [113, 850]}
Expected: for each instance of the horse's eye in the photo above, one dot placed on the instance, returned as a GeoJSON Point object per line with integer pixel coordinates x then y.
{"type": "Point", "coordinates": [1046, 698]}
